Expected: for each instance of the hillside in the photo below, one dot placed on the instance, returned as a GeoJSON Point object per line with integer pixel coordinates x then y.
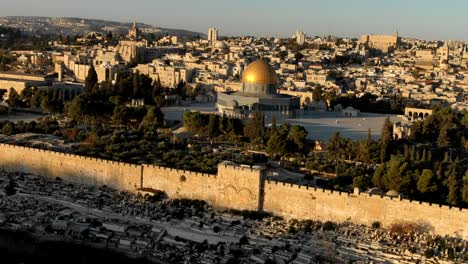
{"type": "Point", "coordinates": [78, 26]}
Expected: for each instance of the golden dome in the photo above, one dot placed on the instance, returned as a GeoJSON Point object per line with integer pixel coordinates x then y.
{"type": "Point", "coordinates": [260, 72]}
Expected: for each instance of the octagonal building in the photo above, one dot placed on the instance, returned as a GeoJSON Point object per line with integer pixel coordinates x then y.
{"type": "Point", "coordinates": [258, 93]}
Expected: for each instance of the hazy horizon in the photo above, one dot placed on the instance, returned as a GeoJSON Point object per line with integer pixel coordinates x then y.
{"type": "Point", "coordinates": [430, 19]}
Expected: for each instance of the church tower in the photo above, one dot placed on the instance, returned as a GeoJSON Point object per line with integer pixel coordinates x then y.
{"type": "Point", "coordinates": [133, 32]}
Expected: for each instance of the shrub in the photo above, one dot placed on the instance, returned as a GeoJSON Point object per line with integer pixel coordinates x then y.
{"type": "Point", "coordinates": [292, 230]}
{"type": "Point", "coordinates": [329, 226]}
{"type": "Point", "coordinates": [376, 224]}
{"type": "Point", "coordinates": [408, 227]}
{"type": "Point", "coordinates": [157, 196]}
{"type": "Point", "coordinates": [248, 214]}
{"type": "Point", "coordinates": [71, 134]}
{"type": "Point", "coordinates": [429, 253]}
{"type": "Point", "coordinates": [8, 129]}
{"type": "Point", "coordinates": [451, 253]}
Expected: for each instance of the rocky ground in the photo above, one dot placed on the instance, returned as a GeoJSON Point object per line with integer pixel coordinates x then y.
{"type": "Point", "coordinates": [182, 231]}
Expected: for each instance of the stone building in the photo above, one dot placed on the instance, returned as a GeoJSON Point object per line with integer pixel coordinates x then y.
{"type": "Point", "coordinates": [139, 51]}
{"type": "Point", "coordinates": [401, 130]}
{"type": "Point", "coordinates": [213, 35]}
{"type": "Point", "coordinates": [320, 77]}
{"type": "Point", "coordinates": [350, 111]}
{"type": "Point", "coordinates": [384, 43]}
{"type": "Point", "coordinates": [300, 37]}
{"type": "Point", "coordinates": [20, 81]}
{"type": "Point", "coordinates": [415, 114]}
{"type": "Point", "coordinates": [169, 76]}
{"type": "Point", "coordinates": [258, 93]}
{"type": "Point", "coordinates": [106, 63]}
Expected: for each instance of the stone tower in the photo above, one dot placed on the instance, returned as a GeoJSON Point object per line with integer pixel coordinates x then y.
{"type": "Point", "coordinates": [240, 187]}
{"type": "Point", "coordinates": [133, 32]}
{"type": "Point", "coordinates": [444, 54]}
{"type": "Point", "coordinates": [59, 70]}
{"type": "Point", "coordinates": [213, 35]}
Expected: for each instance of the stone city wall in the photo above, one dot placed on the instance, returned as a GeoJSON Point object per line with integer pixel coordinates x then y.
{"type": "Point", "coordinates": [237, 187]}
{"type": "Point", "coordinates": [221, 190]}
{"type": "Point", "coordinates": [79, 169]}
{"type": "Point", "coordinates": [233, 187]}
{"type": "Point", "coordinates": [302, 202]}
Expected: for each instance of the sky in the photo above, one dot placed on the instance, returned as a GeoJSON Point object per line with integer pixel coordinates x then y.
{"type": "Point", "coordinates": [424, 19]}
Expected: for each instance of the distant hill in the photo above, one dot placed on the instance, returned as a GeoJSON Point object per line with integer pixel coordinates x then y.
{"type": "Point", "coordinates": [80, 26]}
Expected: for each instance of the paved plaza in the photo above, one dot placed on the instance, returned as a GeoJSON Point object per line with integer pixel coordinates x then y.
{"type": "Point", "coordinates": [320, 125]}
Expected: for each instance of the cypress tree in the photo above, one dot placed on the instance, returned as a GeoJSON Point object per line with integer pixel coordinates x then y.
{"type": "Point", "coordinates": [91, 80]}
{"type": "Point", "coordinates": [387, 138]}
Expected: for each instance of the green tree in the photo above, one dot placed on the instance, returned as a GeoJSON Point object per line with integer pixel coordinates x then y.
{"type": "Point", "coordinates": [255, 128]}
{"type": "Point", "coordinates": [213, 126]}
{"type": "Point", "coordinates": [156, 88]}
{"type": "Point", "coordinates": [52, 102]}
{"type": "Point", "coordinates": [386, 140]}
{"type": "Point", "coordinates": [194, 122]}
{"type": "Point", "coordinates": [453, 184]}
{"type": "Point", "coordinates": [26, 95]}
{"type": "Point", "coordinates": [137, 89]}
{"type": "Point", "coordinates": [363, 182]}
{"type": "Point", "coordinates": [378, 177]}
{"type": "Point", "coordinates": [14, 99]}
{"type": "Point", "coordinates": [427, 182]}
{"type": "Point", "coordinates": [297, 138]}
{"type": "Point", "coordinates": [277, 143]}
{"type": "Point", "coordinates": [121, 115]}
{"type": "Point", "coordinates": [364, 149]}
{"type": "Point", "coordinates": [160, 101]}
{"type": "Point", "coordinates": [2, 94]}
{"type": "Point", "coordinates": [77, 109]}
{"type": "Point", "coordinates": [8, 129]}
{"type": "Point", "coordinates": [338, 147]}
{"type": "Point", "coordinates": [91, 80]}
{"type": "Point", "coordinates": [397, 177]}
{"type": "Point", "coordinates": [444, 139]}
{"type": "Point", "coordinates": [317, 93]}
{"type": "Point", "coordinates": [153, 119]}
{"type": "Point", "coordinates": [465, 187]}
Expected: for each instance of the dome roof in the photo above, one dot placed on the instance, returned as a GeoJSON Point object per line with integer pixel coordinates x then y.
{"type": "Point", "coordinates": [375, 190]}
{"type": "Point", "coordinates": [260, 72]}
{"type": "Point", "coordinates": [392, 193]}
